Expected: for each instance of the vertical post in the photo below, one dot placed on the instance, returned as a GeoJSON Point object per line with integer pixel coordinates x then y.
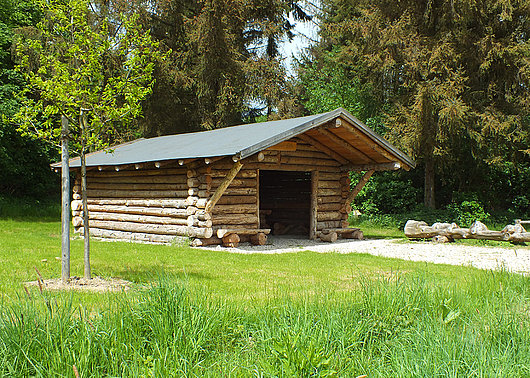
{"type": "Point", "coordinates": [257, 198]}
{"type": "Point", "coordinates": [314, 205]}
{"type": "Point", "coordinates": [65, 202]}
{"type": "Point", "coordinates": [86, 227]}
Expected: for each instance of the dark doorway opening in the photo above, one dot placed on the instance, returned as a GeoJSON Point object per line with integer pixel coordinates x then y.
{"type": "Point", "coordinates": [285, 201]}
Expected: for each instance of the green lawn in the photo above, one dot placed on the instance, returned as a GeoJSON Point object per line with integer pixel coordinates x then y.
{"type": "Point", "coordinates": [213, 313]}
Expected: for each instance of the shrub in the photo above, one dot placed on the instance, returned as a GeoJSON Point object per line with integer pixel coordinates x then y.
{"type": "Point", "coordinates": [467, 212]}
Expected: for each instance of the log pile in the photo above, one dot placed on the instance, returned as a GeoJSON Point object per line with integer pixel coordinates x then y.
{"type": "Point", "coordinates": [448, 232]}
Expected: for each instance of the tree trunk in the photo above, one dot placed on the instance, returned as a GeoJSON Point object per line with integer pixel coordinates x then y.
{"type": "Point", "coordinates": [86, 226]}
{"type": "Point", "coordinates": [429, 183]}
{"type": "Point", "coordinates": [65, 203]}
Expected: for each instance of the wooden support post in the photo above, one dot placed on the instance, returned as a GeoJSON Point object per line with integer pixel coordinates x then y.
{"type": "Point", "coordinates": [224, 184]}
{"type": "Point", "coordinates": [314, 205]}
{"type": "Point", "coordinates": [362, 182]}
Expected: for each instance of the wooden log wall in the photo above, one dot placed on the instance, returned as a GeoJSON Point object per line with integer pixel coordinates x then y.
{"type": "Point", "coordinates": [239, 206]}
{"type": "Point", "coordinates": [157, 204]}
{"type": "Point", "coordinates": [149, 205]}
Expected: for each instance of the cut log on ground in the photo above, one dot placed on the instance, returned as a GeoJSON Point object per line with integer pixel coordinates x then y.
{"type": "Point", "coordinates": [258, 239]}
{"type": "Point", "coordinates": [241, 231]}
{"type": "Point", "coordinates": [446, 232]}
{"type": "Point", "coordinates": [231, 240]}
{"type": "Point", "coordinates": [330, 237]}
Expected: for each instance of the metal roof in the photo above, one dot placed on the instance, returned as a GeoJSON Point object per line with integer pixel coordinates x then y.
{"type": "Point", "coordinates": [241, 141]}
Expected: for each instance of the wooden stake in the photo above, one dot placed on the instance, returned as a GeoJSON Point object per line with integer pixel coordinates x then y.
{"type": "Point", "coordinates": [65, 203]}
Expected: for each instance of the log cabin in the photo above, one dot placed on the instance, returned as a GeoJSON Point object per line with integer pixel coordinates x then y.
{"type": "Point", "coordinates": [234, 184]}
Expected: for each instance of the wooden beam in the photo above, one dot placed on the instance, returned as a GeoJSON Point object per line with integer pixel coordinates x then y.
{"type": "Point", "coordinates": [362, 182]}
{"type": "Point", "coordinates": [283, 146]}
{"type": "Point", "coordinates": [314, 206]}
{"type": "Point", "coordinates": [392, 166]}
{"type": "Point", "coordinates": [341, 142]}
{"type": "Point", "coordinates": [371, 143]}
{"type": "Point", "coordinates": [319, 146]}
{"type": "Point", "coordinates": [224, 184]}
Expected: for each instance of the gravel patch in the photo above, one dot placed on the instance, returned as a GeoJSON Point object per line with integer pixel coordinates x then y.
{"type": "Point", "coordinates": [514, 259]}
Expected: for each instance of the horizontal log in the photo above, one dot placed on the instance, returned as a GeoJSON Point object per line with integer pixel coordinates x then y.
{"type": "Point", "coordinates": [329, 199]}
{"type": "Point", "coordinates": [138, 193]}
{"type": "Point", "coordinates": [237, 182]}
{"type": "Point", "coordinates": [156, 211]}
{"type": "Point", "coordinates": [234, 209]}
{"type": "Point", "coordinates": [331, 176]}
{"type": "Point", "coordinates": [174, 179]}
{"type": "Point", "coordinates": [294, 167]}
{"type": "Point", "coordinates": [139, 172]}
{"type": "Point", "coordinates": [206, 241]}
{"type": "Point", "coordinates": [232, 200]}
{"type": "Point", "coordinates": [243, 173]}
{"type": "Point", "coordinates": [160, 202]}
{"type": "Point", "coordinates": [240, 191]}
{"type": "Point", "coordinates": [309, 161]}
{"type": "Point", "coordinates": [329, 184]}
{"type": "Point", "coordinates": [328, 224]}
{"type": "Point", "coordinates": [135, 218]}
{"type": "Point", "coordinates": [331, 206]}
{"type": "Point", "coordinates": [134, 187]}
{"type": "Point", "coordinates": [321, 192]}
{"type": "Point", "coordinates": [130, 236]}
{"type": "Point", "coordinates": [198, 192]}
{"type": "Point", "coordinates": [153, 228]}
{"type": "Point", "coordinates": [329, 216]}
{"type": "Point", "coordinates": [392, 166]}
{"type": "Point", "coordinates": [234, 219]}
{"type": "Point", "coordinates": [242, 231]}
{"type": "Point", "coordinates": [197, 222]}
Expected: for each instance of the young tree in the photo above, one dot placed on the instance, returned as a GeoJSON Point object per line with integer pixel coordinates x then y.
{"type": "Point", "coordinates": [88, 71]}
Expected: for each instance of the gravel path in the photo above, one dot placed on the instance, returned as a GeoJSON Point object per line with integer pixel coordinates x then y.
{"type": "Point", "coordinates": [512, 258]}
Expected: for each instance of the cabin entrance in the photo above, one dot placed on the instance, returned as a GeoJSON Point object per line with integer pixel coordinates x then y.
{"type": "Point", "coordinates": [285, 202]}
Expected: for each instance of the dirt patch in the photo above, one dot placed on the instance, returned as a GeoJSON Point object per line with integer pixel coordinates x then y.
{"type": "Point", "coordinates": [96, 284]}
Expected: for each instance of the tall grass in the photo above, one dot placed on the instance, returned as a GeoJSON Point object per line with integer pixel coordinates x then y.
{"type": "Point", "coordinates": [397, 326]}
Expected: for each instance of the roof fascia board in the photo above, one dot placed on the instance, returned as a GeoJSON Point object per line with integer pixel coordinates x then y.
{"type": "Point", "coordinates": [278, 138]}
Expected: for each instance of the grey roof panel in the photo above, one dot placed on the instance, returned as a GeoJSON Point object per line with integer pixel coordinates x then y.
{"type": "Point", "coordinates": [243, 141]}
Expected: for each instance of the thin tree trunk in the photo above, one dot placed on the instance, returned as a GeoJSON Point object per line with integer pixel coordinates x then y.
{"type": "Point", "coordinates": [86, 227]}
{"type": "Point", "coordinates": [429, 183]}
{"type": "Point", "coordinates": [65, 202]}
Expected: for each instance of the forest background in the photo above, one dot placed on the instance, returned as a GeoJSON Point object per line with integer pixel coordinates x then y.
{"type": "Point", "coordinates": [446, 81]}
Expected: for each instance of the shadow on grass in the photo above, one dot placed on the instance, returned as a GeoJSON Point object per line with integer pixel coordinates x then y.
{"type": "Point", "coordinates": [145, 274]}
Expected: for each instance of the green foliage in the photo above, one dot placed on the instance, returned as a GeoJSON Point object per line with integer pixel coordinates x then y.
{"type": "Point", "coordinates": [449, 83]}
{"type": "Point", "coordinates": [24, 163]}
{"type": "Point", "coordinates": [74, 66]}
{"type": "Point", "coordinates": [466, 212]}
